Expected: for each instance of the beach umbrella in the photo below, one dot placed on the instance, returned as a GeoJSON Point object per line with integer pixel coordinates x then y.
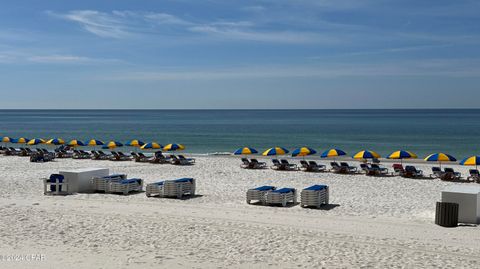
{"type": "Point", "coordinates": [402, 154]}
{"type": "Point", "coordinates": [173, 147]}
{"type": "Point", "coordinates": [303, 151]}
{"type": "Point", "coordinates": [151, 145]}
{"type": "Point", "coordinates": [471, 161]}
{"type": "Point", "coordinates": [333, 153]}
{"type": "Point", "coordinates": [114, 144]}
{"type": "Point", "coordinates": [55, 141]}
{"type": "Point", "coordinates": [21, 140]}
{"type": "Point", "coordinates": [95, 142]}
{"type": "Point", "coordinates": [366, 154]}
{"type": "Point", "coordinates": [76, 143]}
{"type": "Point", "coordinates": [135, 143]}
{"type": "Point", "coordinates": [275, 151]}
{"type": "Point", "coordinates": [245, 151]}
{"type": "Point", "coordinates": [35, 141]}
{"type": "Point", "coordinates": [6, 140]}
{"type": "Point", "coordinates": [440, 157]}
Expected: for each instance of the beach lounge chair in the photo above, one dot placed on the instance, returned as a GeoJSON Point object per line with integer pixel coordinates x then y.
{"type": "Point", "coordinates": [316, 195]}
{"type": "Point", "coordinates": [80, 154]}
{"type": "Point", "coordinates": [281, 196]}
{"type": "Point", "coordinates": [398, 169]}
{"type": "Point", "coordinates": [11, 151]}
{"type": "Point", "coordinates": [317, 167]}
{"type": "Point", "coordinates": [103, 183]}
{"type": "Point", "coordinates": [348, 168]}
{"type": "Point", "coordinates": [474, 175]}
{"type": "Point", "coordinates": [158, 158]}
{"type": "Point", "coordinates": [336, 168]}
{"type": "Point", "coordinates": [172, 188]}
{"type": "Point", "coordinates": [305, 166]}
{"type": "Point", "coordinates": [62, 154]}
{"type": "Point", "coordinates": [289, 166]}
{"type": "Point", "coordinates": [450, 174]}
{"type": "Point", "coordinates": [277, 165]}
{"type": "Point", "coordinates": [412, 171]}
{"type": "Point", "coordinates": [140, 158]}
{"type": "Point", "coordinates": [365, 167]}
{"type": "Point", "coordinates": [186, 161]}
{"type": "Point", "coordinates": [259, 194]}
{"type": "Point", "coordinates": [246, 164]}
{"type": "Point", "coordinates": [257, 165]}
{"type": "Point", "coordinates": [311, 166]}
{"type": "Point", "coordinates": [126, 186]}
{"type": "Point", "coordinates": [23, 152]}
{"type": "Point", "coordinates": [378, 170]}
{"type": "Point", "coordinates": [55, 185]}
{"type": "Point", "coordinates": [436, 172]}
{"type": "Point", "coordinates": [174, 159]}
{"type": "Point", "coordinates": [116, 156]}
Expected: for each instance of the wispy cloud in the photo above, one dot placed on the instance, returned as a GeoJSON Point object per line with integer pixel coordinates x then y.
{"type": "Point", "coordinates": [22, 56]}
{"type": "Point", "coordinates": [121, 24]}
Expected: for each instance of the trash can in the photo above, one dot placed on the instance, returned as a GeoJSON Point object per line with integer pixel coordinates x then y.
{"type": "Point", "coordinates": [446, 214]}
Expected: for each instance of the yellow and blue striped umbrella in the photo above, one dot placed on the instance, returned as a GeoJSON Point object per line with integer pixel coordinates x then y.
{"type": "Point", "coordinates": [333, 153]}
{"type": "Point", "coordinates": [173, 147]}
{"type": "Point", "coordinates": [135, 143]}
{"type": "Point", "coordinates": [55, 141]}
{"type": "Point", "coordinates": [21, 140]}
{"type": "Point", "coordinates": [471, 161]}
{"type": "Point", "coordinates": [95, 142]}
{"type": "Point", "coordinates": [402, 154]}
{"type": "Point", "coordinates": [275, 151]}
{"type": "Point", "coordinates": [7, 139]}
{"type": "Point", "coordinates": [114, 144]}
{"type": "Point", "coordinates": [35, 141]}
{"type": "Point", "coordinates": [440, 157]}
{"type": "Point", "coordinates": [366, 154]}
{"type": "Point", "coordinates": [303, 151]}
{"type": "Point", "coordinates": [76, 143]}
{"type": "Point", "coordinates": [151, 145]}
{"type": "Point", "coordinates": [245, 151]}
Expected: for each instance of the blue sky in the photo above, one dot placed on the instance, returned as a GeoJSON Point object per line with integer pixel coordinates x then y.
{"type": "Point", "coordinates": [240, 54]}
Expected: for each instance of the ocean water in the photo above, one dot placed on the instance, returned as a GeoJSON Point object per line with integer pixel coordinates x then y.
{"type": "Point", "coordinates": [207, 131]}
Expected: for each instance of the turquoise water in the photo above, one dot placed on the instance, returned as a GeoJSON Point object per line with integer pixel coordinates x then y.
{"type": "Point", "coordinates": [206, 131]}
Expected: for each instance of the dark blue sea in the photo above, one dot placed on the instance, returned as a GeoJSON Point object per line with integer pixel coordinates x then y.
{"type": "Point", "coordinates": [208, 131]}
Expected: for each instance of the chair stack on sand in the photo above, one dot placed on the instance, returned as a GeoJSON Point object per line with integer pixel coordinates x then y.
{"type": "Point", "coordinates": [259, 194]}
{"type": "Point", "coordinates": [126, 186]}
{"type": "Point", "coordinates": [103, 183]}
{"type": "Point", "coordinates": [316, 196]}
{"type": "Point", "coordinates": [172, 188]}
{"type": "Point", "coordinates": [281, 196]}
{"type": "Point", "coordinates": [55, 185]}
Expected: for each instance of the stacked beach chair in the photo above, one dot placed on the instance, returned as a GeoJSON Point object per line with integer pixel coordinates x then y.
{"type": "Point", "coordinates": [281, 196]}
{"type": "Point", "coordinates": [316, 196]}
{"type": "Point", "coordinates": [172, 188]}
{"type": "Point", "coordinates": [126, 186]}
{"type": "Point", "coordinates": [259, 194]}
{"type": "Point", "coordinates": [103, 183]}
{"type": "Point", "coordinates": [117, 184]}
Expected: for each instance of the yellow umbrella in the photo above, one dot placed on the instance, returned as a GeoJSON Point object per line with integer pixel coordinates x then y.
{"type": "Point", "coordinates": [173, 147]}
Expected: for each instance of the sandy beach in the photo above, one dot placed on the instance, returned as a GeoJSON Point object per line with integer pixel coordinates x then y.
{"type": "Point", "coordinates": [371, 222]}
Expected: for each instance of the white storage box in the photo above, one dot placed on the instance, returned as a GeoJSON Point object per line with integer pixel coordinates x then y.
{"type": "Point", "coordinates": [80, 180]}
{"type": "Point", "coordinates": [468, 200]}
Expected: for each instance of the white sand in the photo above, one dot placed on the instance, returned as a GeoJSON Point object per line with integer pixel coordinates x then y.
{"type": "Point", "coordinates": [379, 222]}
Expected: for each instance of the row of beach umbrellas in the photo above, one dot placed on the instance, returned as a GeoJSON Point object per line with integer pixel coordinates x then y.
{"type": "Point", "coordinates": [93, 143]}
{"type": "Point", "coordinates": [361, 155]}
